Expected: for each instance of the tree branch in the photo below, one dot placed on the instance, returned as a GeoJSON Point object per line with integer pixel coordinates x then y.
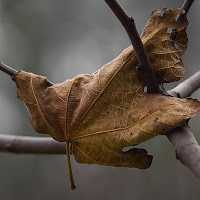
{"type": "Point", "coordinates": [8, 70]}
{"type": "Point", "coordinates": [12, 72]}
{"type": "Point", "coordinates": [28, 145]}
{"type": "Point", "coordinates": [186, 148]}
{"type": "Point", "coordinates": [185, 145]}
{"type": "Point", "coordinates": [186, 6]}
{"type": "Point", "coordinates": [144, 64]}
{"type": "Point", "coordinates": [187, 87]}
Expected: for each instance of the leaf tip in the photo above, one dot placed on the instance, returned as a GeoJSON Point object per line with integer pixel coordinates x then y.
{"type": "Point", "coordinates": [73, 187]}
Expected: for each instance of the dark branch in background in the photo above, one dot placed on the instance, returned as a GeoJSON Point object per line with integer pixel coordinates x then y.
{"type": "Point", "coordinates": [12, 72]}
{"type": "Point", "coordinates": [186, 6]}
{"type": "Point", "coordinates": [8, 70]}
{"type": "Point", "coordinates": [144, 64]}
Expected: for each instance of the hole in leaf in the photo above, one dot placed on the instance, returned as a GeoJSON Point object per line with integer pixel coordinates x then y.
{"type": "Point", "coordinates": [145, 89]}
{"type": "Point", "coordinates": [161, 13]}
{"type": "Point", "coordinates": [169, 30]}
{"type": "Point", "coordinates": [49, 84]}
{"type": "Point", "coordinates": [125, 149]}
{"type": "Point", "coordinates": [176, 46]}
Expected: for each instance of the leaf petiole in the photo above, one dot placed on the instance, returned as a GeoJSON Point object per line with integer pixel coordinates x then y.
{"type": "Point", "coordinates": [70, 166]}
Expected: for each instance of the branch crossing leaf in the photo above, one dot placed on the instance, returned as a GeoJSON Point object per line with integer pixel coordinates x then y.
{"type": "Point", "coordinates": [101, 113]}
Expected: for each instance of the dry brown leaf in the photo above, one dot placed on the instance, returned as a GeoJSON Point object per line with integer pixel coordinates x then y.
{"type": "Point", "coordinates": [165, 58]}
{"type": "Point", "coordinates": [101, 113]}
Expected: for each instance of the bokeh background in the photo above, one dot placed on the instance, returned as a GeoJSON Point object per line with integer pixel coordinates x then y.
{"type": "Point", "coordinates": [60, 39]}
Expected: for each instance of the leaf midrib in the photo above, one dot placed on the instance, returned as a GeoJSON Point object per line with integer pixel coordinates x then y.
{"type": "Point", "coordinates": [100, 94]}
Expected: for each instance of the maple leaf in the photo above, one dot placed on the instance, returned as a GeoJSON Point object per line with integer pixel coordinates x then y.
{"type": "Point", "coordinates": [101, 113]}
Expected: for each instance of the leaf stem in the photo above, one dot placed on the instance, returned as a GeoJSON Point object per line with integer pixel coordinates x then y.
{"type": "Point", "coordinates": [70, 166]}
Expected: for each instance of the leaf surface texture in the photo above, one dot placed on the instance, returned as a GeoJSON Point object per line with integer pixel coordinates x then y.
{"type": "Point", "coordinates": [101, 113]}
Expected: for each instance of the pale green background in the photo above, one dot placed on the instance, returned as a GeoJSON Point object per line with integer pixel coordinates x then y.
{"type": "Point", "coordinates": [60, 39]}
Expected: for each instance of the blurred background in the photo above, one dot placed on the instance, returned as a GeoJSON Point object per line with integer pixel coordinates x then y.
{"type": "Point", "coordinates": [63, 38]}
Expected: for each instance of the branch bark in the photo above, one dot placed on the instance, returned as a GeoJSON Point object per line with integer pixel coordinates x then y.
{"type": "Point", "coordinates": [185, 145]}
{"type": "Point", "coordinates": [187, 87]}
{"type": "Point", "coordinates": [8, 70]}
{"type": "Point", "coordinates": [186, 6]}
{"type": "Point", "coordinates": [31, 145]}
{"type": "Point", "coordinates": [186, 148]}
{"type": "Point", "coordinates": [143, 61]}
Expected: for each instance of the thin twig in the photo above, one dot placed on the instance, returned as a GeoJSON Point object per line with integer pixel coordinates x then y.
{"type": "Point", "coordinates": [12, 72]}
{"type": "Point", "coordinates": [186, 6]}
{"type": "Point", "coordinates": [8, 70]}
{"type": "Point", "coordinates": [187, 87]}
{"type": "Point", "coordinates": [144, 64]}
